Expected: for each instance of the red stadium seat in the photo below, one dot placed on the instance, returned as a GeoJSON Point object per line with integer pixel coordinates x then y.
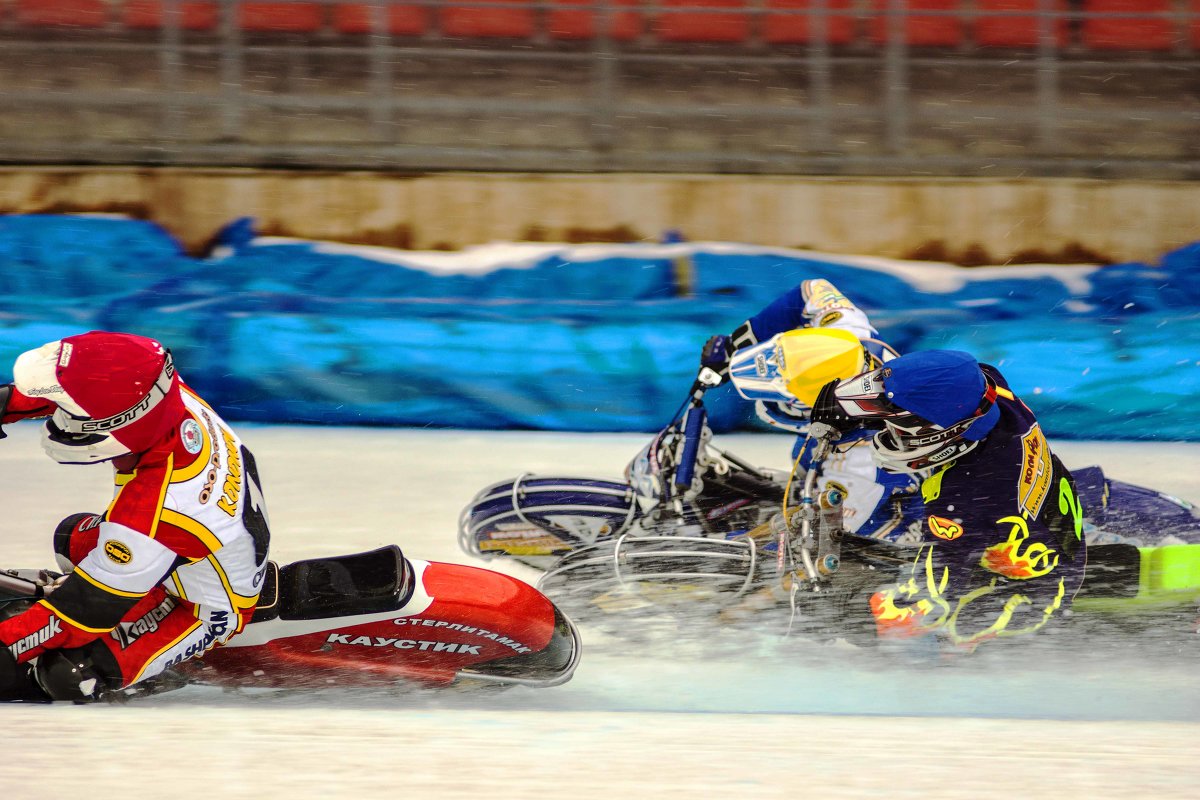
{"type": "Point", "coordinates": [1011, 29]}
{"type": "Point", "coordinates": [479, 21]}
{"type": "Point", "coordinates": [61, 13]}
{"type": "Point", "coordinates": [1137, 29]}
{"type": "Point", "coordinates": [196, 15]}
{"type": "Point", "coordinates": [565, 22]}
{"type": "Point", "coordinates": [282, 17]}
{"type": "Point", "coordinates": [401, 20]}
{"type": "Point", "coordinates": [798, 26]}
{"type": "Point", "coordinates": [922, 30]}
{"type": "Point", "coordinates": [690, 25]}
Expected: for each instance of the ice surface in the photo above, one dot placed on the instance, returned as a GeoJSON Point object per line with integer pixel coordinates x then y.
{"type": "Point", "coordinates": [691, 713]}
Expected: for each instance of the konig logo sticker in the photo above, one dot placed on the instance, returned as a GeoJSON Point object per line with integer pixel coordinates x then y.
{"type": "Point", "coordinates": [1036, 471]}
{"type": "Point", "coordinates": [118, 551]}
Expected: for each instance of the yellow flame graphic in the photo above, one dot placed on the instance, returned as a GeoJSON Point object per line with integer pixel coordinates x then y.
{"type": "Point", "coordinates": [1010, 560]}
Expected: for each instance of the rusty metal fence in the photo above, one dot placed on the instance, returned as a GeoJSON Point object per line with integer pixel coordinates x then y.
{"type": "Point", "coordinates": [1104, 88]}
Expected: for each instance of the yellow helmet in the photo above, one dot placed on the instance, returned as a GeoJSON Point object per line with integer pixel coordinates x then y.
{"type": "Point", "coordinates": [809, 358]}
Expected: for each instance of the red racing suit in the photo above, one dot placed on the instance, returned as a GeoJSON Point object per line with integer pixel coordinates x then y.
{"type": "Point", "coordinates": [172, 568]}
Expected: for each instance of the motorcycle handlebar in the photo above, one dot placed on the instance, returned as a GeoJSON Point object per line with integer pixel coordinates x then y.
{"type": "Point", "coordinates": [825, 436]}
{"type": "Point", "coordinates": [16, 587]}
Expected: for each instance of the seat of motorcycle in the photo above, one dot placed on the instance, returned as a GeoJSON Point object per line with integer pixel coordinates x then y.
{"type": "Point", "coordinates": [339, 586]}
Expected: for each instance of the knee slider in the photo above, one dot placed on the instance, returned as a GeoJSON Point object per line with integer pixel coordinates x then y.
{"type": "Point", "coordinates": [74, 537]}
{"type": "Point", "coordinates": [79, 675]}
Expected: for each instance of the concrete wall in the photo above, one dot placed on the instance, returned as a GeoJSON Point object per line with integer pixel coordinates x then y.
{"type": "Point", "coordinates": [971, 221]}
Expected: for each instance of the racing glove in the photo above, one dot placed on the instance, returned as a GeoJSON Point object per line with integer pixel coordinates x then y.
{"type": "Point", "coordinates": [828, 411]}
{"type": "Point", "coordinates": [715, 357]}
{"type": "Point", "coordinates": [743, 336]}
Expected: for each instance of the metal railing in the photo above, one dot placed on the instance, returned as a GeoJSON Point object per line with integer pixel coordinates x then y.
{"type": "Point", "coordinates": [860, 90]}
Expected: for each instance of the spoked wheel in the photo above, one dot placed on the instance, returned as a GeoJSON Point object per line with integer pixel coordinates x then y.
{"type": "Point", "coordinates": [664, 573]}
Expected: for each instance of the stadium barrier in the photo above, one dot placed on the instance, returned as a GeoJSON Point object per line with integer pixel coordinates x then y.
{"type": "Point", "coordinates": [1101, 25]}
{"type": "Point", "coordinates": [585, 338]}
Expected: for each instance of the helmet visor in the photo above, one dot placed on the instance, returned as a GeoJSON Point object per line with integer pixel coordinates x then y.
{"type": "Point", "coordinates": [908, 443]}
{"type": "Point", "coordinates": [78, 448]}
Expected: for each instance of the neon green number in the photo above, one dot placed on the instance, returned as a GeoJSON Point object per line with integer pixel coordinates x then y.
{"type": "Point", "coordinates": [1069, 503]}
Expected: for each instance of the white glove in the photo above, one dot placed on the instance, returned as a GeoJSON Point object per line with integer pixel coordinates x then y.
{"type": "Point", "coordinates": [54, 584]}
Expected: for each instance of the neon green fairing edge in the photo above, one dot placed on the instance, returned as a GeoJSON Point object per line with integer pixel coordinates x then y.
{"type": "Point", "coordinates": [1169, 576]}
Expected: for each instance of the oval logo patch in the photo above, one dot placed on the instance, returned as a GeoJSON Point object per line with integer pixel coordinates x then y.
{"type": "Point", "coordinates": [118, 551]}
{"type": "Point", "coordinates": [944, 528]}
{"type": "Point", "coordinates": [190, 434]}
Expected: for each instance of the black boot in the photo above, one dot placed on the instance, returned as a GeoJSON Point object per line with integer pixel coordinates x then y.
{"type": "Point", "coordinates": [16, 681]}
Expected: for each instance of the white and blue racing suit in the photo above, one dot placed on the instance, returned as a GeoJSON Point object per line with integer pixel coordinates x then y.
{"type": "Point", "coordinates": [878, 504]}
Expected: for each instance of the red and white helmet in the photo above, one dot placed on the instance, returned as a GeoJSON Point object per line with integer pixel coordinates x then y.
{"type": "Point", "coordinates": [117, 393]}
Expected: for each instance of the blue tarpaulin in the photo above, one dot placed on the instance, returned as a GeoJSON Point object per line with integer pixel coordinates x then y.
{"type": "Point", "coordinates": [587, 338]}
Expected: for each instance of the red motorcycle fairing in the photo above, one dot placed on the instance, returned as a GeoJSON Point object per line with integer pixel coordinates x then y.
{"type": "Point", "coordinates": [459, 621]}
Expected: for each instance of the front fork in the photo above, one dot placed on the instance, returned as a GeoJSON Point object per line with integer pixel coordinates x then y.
{"type": "Point", "coordinates": [809, 539]}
